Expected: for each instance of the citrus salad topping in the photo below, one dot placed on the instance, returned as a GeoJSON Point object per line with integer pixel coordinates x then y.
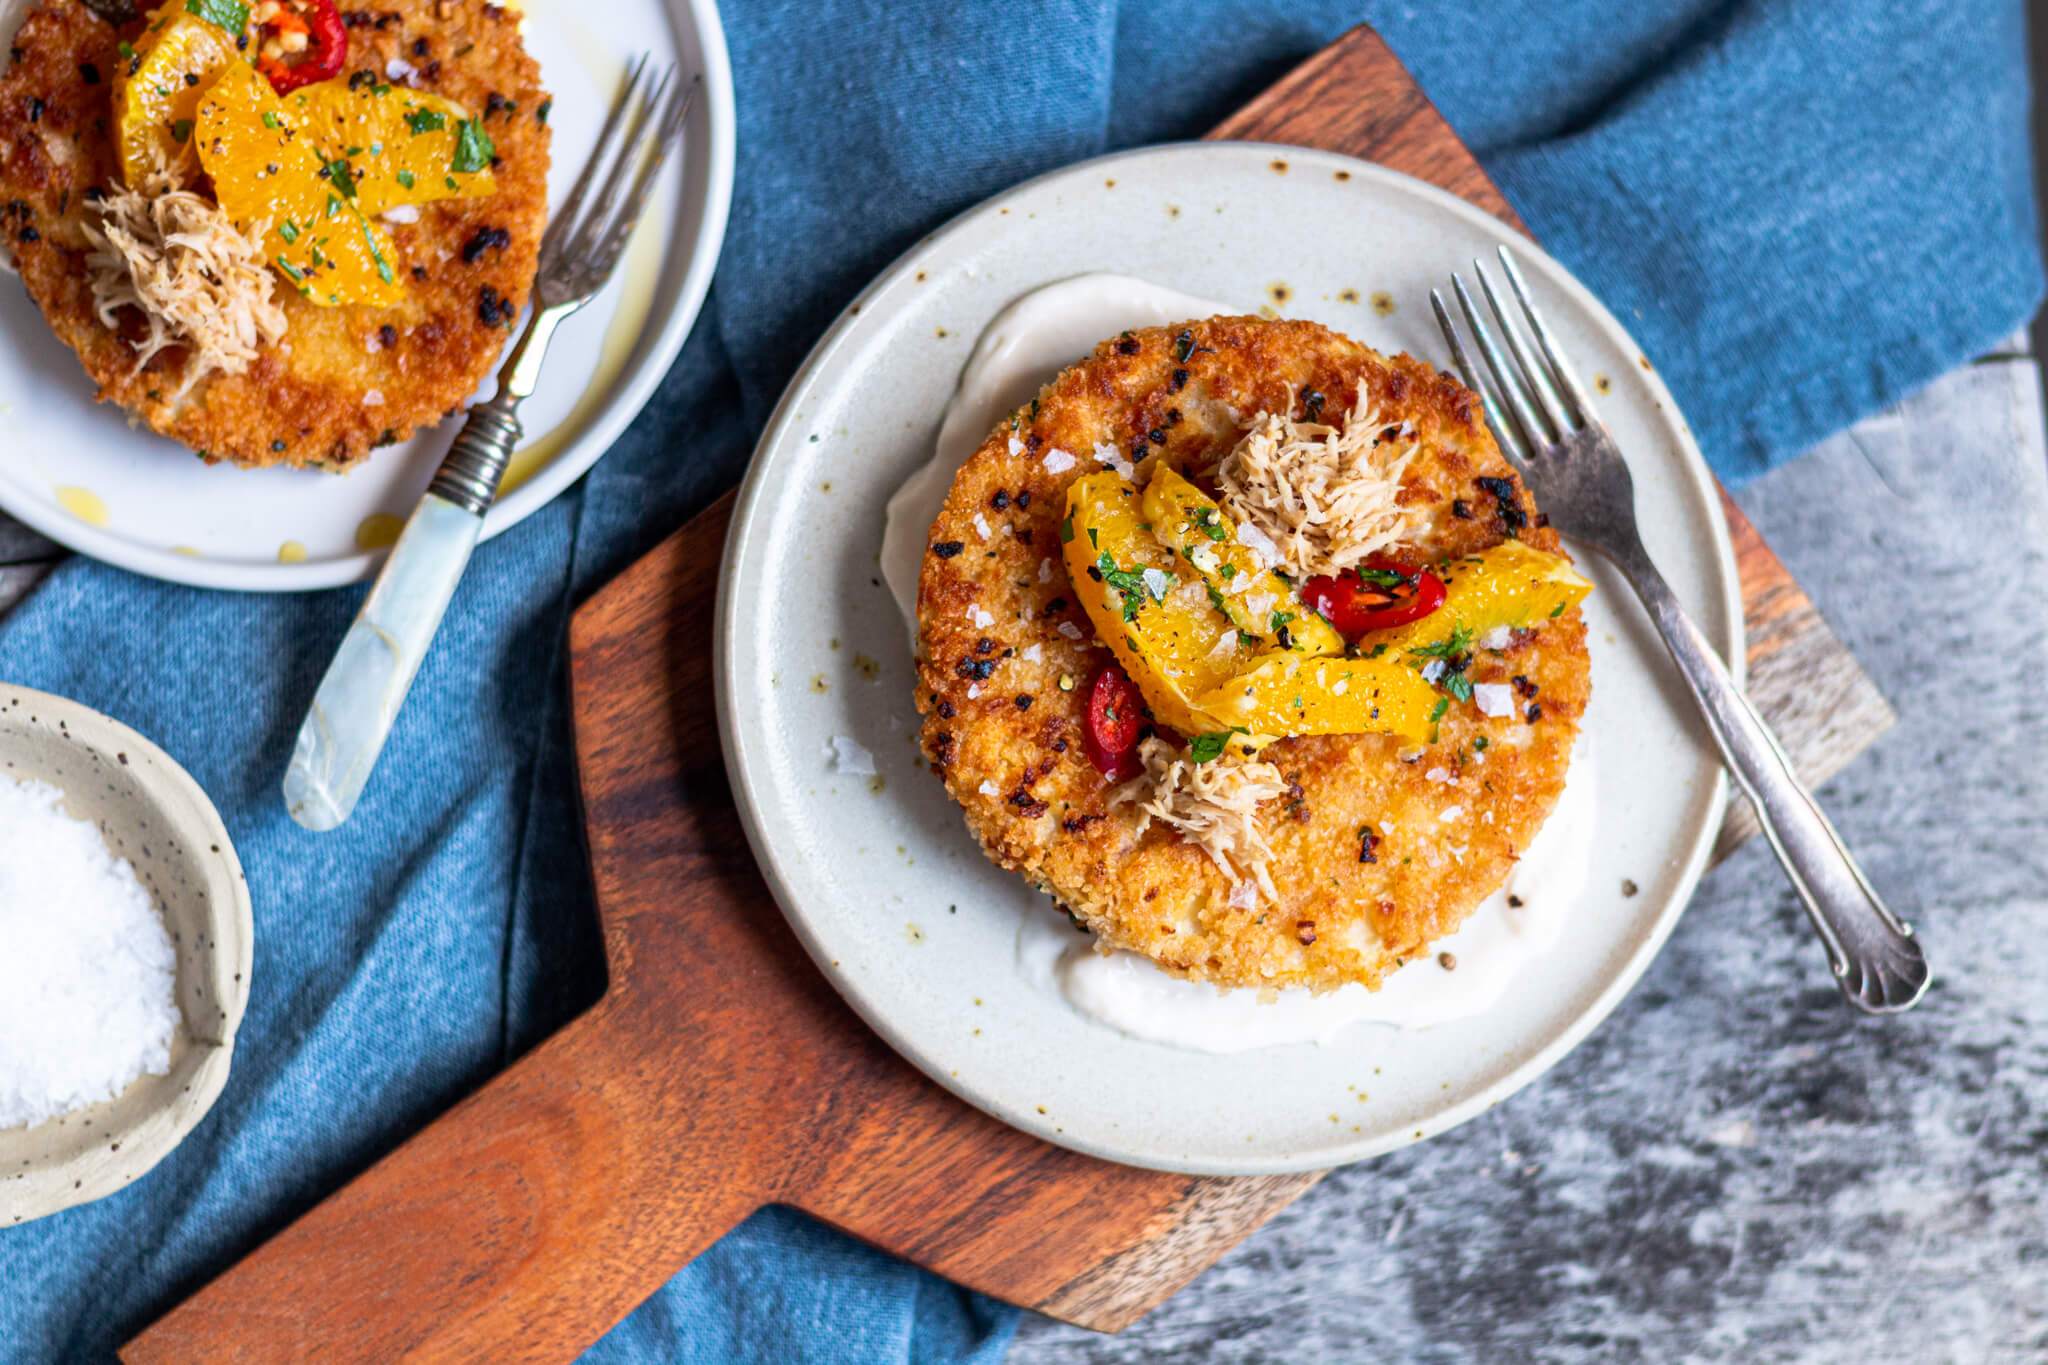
{"type": "Point", "coordinates": [297, 157]}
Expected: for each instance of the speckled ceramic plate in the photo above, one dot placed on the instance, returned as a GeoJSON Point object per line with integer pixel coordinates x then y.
{"type": "Point", "coordinates": [78, 473]}
{"type": "Point", "coordinates": [880, 876]}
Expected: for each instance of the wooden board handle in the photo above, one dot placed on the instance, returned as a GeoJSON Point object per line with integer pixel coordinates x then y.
{"type": "Point", "coordinates": [721, 1072]}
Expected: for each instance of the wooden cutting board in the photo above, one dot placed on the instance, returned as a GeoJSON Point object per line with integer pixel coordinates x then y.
{"type": "Point", "coordinates": [721, 1072]}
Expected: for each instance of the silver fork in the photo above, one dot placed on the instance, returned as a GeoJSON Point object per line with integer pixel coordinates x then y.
{"type": "Point", "coordinates": [1550, 429]}
{"type": "Point", "coordinates": [358, 700]}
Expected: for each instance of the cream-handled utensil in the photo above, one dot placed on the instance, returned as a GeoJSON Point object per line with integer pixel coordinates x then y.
{"type": "Point", "coordinates": [359, 698]}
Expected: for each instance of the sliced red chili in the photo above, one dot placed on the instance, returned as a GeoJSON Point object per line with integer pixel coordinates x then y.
{"type": "Point", "coordinates": [326, 48]}
{"type": "Point", "coordinates": [1116, 713]}
{"type": "Point", "coordinates": [1381, 595]}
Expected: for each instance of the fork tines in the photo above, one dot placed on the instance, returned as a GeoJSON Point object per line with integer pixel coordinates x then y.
{"type": "Point", "coordinates": [1545, 400]}
{"type": "Point", "coordinates": [585, 239]}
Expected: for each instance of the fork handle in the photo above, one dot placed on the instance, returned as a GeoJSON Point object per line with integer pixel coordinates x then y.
{"type": "Point", "coordinates": [1875, 955]}
{"type": "Point", "coordinates": [359, 698]}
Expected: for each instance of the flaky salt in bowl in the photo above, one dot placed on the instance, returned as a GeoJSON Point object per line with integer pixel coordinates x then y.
{"type": "Point", "coordinates": [65, 1145]}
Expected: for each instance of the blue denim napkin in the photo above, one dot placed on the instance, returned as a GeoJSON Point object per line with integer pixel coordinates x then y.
{"type": "Point", "coordinates": [1803, 208]}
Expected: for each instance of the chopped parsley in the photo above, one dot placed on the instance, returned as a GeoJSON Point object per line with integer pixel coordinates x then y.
{"type": "Point", "coordinates": [1131, 585]}
{"type": "Point", "coordinates": [473, 149]}
{"type": "Point", "coordinates": [181, 130]}
{"type": "Point", "coordinates": [288, 268]}
{"type": "Point", "coordinates": [1204, 748]}
{"type": "Point", "coordinates": [1450, 647]}
{"type": "Point", "coordinates": [1436, 712]}
{"type": "Point", "coordinates": [1383, 578]}
{"type": "Point", "coordinates": [384, 271]}
{"type": "Point", "coordinates": [1067, 530]}
{"type": "Point", "coordinates": [289, 231]}
{"type": "Point", "coordinates": [338, 175]}
{"type": "Point", "coordinates": [270, 118]}
{"type": "Point", "coordinates": [1280, 620]}
{"type": "Point", "coordinates": [1206, 522]}
{"type": "Point", "coordinates": [426, 121]}
{"type": "Point", "coordinates": [232, 15]}
{"type": "Point", "coordinates": [405, 179]}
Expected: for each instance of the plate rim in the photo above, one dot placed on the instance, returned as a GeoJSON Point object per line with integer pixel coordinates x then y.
{"type": "Point", "coordinates": [754, 814]}
{"type": "Point", "coordinates": [631, 394]}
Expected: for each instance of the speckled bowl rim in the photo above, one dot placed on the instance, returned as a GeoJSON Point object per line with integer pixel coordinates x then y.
{"type": "Point", "coordinates": [82, 1179]}
{"type": "Point", "coordinates": [758, 818]}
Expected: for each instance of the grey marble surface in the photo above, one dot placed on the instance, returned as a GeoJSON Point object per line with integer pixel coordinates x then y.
{"type": "Point", "coordinates": [1734, 1167]}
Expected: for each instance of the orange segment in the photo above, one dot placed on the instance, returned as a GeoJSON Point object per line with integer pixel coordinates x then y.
{"type": "Point", "coordinates": [402, 146]}
{"type": "Point", "coordinates": [1154, 615]}
{"type": "Point", "coordinates": [158, 89]}
{"type": "Point", "coordinates": [1257, 600]}
{"type": "Point", "coordinates": [265, 170]}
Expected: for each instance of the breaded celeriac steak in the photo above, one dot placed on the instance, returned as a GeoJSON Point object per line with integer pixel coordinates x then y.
{"type": "Point", "coordinates": [342, 380]}
{"type": "Point", "coordinates": [1008, 654]}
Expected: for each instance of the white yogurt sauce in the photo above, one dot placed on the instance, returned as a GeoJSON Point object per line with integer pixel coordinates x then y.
{"type": "Point", "coordinates": [1025, 345]}
{"type": "Point", "coordinates": [1494, 947]}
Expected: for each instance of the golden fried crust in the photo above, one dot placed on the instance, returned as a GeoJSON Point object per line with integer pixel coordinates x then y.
{"type": "Point", "coordinates": [1012, 755]}
{"type": "Point", "coordinates": [303, 402]}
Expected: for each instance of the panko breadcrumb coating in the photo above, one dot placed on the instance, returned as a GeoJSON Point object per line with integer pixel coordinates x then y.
{"type": "Point", "coordinates": [1373, 855]}
{"type": "Point", "coordinates": [342, 381]}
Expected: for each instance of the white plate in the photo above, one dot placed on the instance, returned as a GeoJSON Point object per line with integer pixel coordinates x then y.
{"type": "Point", "coordinates": [887, 889]}
{"type": "Point", "coordinates": [78, 473]}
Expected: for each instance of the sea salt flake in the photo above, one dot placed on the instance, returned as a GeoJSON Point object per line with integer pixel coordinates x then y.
{"type": "Point", "coordinates": [981, 526]}
{"type": "Point", "coordinates": [1057, 461]}
{"type": "Point", "coordinates": [1070, 630]}
{"type": "Point", "coordinates": [1156, 582]}
{"type": "Point", "coordinates": [1045, 571]}
{"type": "Point", "coordinates": [850, 758]}
{"type": "Point", "coordinates": [1433, 671]}
{"type": "Point", "coordinates": [1107, 454]}
{"type": "Point", "coordinates": [1494, 699]}
{"type": "Point", "coordinates": [1016, 446]}
{"type": "Point", "coordinates": [1450, 813]}
{"type": "Point", "coordinates": [1259, 543]}
{"type": "Point", "coordinates": [973, 690]}
{"type": "Point", "coordinates": [1033, 654]}
{"type": "Point", "coordinates": [87, 975]}
{"type": "Point", "coordinates": [988, 788]}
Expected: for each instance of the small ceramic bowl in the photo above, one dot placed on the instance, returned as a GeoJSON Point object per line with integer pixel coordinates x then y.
{"type": "Point", "coordinates": [153, 814]}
